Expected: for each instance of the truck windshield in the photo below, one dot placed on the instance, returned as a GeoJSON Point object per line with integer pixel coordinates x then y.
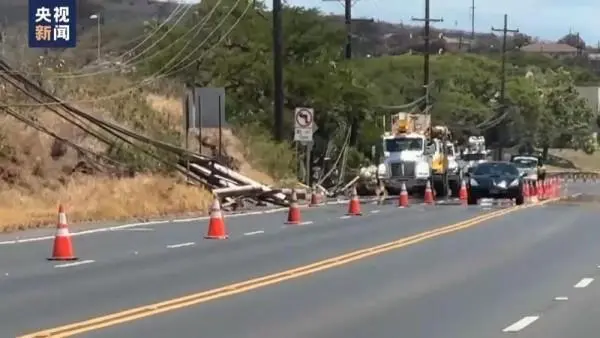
{"type": "Point", "coordinates": [523, 162]}
{"type": "Point", "coordinates": [401, 144]}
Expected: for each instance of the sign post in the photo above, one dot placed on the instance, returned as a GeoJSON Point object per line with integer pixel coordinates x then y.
{"type": "Point", "coordinates": [304, 128]}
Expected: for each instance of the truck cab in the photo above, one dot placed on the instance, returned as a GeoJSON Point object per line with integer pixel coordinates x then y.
{"type": "Point", "coordinates": [404, 161]}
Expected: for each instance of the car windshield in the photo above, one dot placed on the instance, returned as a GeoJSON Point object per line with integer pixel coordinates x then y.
{"type": "Point", "coordinates": [474, 157]}
{"type": "Point", "coordinates": [524, 162]}
{"type": "Point", "coordinates": [401, 144]}
{"type": "Point", "coordinates": [495, 168]}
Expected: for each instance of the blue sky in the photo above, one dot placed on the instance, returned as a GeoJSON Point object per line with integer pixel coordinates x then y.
{"type": "Point", "coordinates": [547, 19]}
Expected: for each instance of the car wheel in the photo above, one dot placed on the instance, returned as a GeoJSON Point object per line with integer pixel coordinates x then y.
{"type": "Point", "coordinates": [471, 199]}
{"type": "Point", "coordinates": [519, 200]}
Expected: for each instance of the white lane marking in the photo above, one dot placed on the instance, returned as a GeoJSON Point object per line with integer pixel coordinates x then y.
{"type": "Point", "coordinates": [66, 265]}
{"type": "Point", "coordinates": [180, 245]}
{"type": "Point", "coordinates": [254, 233]}
{"type": "Point", "coordinates": [521, 324]}
{"type": "Point", "coordinates": [135, 229]}
{"type": "Point", "coordinates": [584, 282]}
{"type": "Point", "coordinates": [296, 225]}
{"type": "Point", "coordinates": [345, 217]}
{"type": "Point", "coordinates": [375, 211]}
{"type": "Point", "coordinates": [561, 298]}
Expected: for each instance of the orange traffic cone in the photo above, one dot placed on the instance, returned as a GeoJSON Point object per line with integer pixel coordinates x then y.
{"type": "Point", "coordinates": [533, 191]}
{"type": "Point", "coordinates": [294, 211]}
{"type": "Point", "coordinates": [315, 198]}
{"type": "Point", "coordinates": [354, 205]}
{"type": "Point", "coordinates": [428, 194]}
{"type": "Point", "coordinates": [216, 224]}
{"type": "Point", "coordinates": [462, 193]}
{"type": "Point", "coordinates": [63, 248]}
{"type": "Point", "coordinates": [403, 199]}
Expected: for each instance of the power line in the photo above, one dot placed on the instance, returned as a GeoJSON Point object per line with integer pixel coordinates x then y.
{"type": "Point", "coordinates": [505, 30]}
{"type": "Point", "coordinates": [426, 37]}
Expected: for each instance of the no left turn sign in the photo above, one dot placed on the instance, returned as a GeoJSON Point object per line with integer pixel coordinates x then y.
{"type": "Point", "coordinates": [304, 117]}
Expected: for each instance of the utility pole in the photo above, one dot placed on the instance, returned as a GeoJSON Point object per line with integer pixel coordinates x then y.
{"type": "Point", "coordinates": [472, 25]}
{"type": "Point", "coordinates": [278, 70]}
{"type": "Point", "coordinates": [426, 38]}
{"type": "Point", "coordinates": [348, 22]}
{"type": "Point", "coordinates": [505, 30]}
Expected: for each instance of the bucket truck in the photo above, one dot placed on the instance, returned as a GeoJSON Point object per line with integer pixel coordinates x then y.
{"type": "Point", "coordinates": [414, 152]}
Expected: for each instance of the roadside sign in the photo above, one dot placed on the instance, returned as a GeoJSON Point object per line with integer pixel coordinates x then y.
{"type": "Point", "coordinates": [304, 124]}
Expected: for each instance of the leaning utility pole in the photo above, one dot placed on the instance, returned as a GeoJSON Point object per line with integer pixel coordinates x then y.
{"type": "Point", "coordinates": [505, 30]}
{"type": "Point", "coordinates": [472, 25]}
{"type": "Point", "coordinates": [277, 70]}
{"type": "Point", "coordinates": [348, 4]}
{"type": "Point", "coordinates": [426, 38]}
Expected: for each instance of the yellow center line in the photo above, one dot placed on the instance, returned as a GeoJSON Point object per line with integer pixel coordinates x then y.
{"type": "Point", "coordinates": [232, 289]}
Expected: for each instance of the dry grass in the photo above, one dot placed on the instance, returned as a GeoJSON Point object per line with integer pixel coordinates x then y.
{"type": "Point", "coordinates": [33, 180]}
{"type": "Point", "coordinates": [578, 159]}
{"type": "Point", "coordinates": [95, 199]}
{"type": "Point", "coordinates": [249, 152]}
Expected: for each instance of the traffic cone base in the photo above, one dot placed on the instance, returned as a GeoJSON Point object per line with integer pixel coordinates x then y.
{"type": "Point", "coordinates": [315, 199]}
{"type": "Point", "coordinates": [293, 216]}
{"type": "Point", "coordinates": [216, 224]}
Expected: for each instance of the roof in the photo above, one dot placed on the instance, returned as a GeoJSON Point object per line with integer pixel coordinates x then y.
{"type": "Point", "coordinates": [549, 48]}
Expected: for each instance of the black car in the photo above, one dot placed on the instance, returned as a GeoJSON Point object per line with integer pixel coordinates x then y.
{"type": "Point", "coordinates": [495, 180]}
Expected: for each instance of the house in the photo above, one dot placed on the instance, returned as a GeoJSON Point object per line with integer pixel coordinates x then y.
{"type": "Point", "coordinates": [553, 49]}
{"type": "Point", "coordinates": [455, 44]}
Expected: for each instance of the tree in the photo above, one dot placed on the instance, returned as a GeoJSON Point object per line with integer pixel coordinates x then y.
{"type": "Point", "coordinates": [573, 40]}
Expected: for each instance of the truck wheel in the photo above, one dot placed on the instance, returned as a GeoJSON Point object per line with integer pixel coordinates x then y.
{"type": "Point", "coordinates": [440, 190]}
{"type": "Point", "coordinates": [520, 199]}
{"type": "Point", "coordinates": [455, 188]}
{"type": "Point", "coordinates": [471, 199]}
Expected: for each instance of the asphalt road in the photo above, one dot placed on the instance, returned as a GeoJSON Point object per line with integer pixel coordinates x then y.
{"type": "Point", "coordinates": [133, 268]}
{"type": "Point", "coordinates": [471, 283]}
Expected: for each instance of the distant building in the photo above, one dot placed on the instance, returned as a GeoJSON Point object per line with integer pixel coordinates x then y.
{"type": "Point", "coordinates": [554, 49]}
{"type": "Point", "coordinates": [455, 44]}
